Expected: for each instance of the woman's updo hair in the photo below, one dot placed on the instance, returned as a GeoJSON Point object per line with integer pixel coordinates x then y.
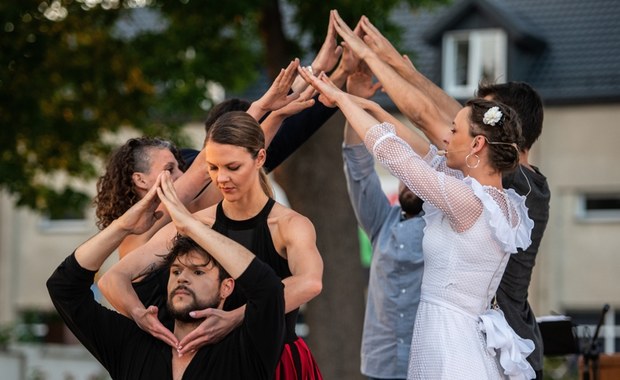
{"type": "Point", "coordinates": [502, 130]}
{"type": "Point", "coordinates": [240, 129]}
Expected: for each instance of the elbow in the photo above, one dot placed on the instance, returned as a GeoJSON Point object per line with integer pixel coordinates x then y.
{"type": "Point", "coordinates": [104, 285]}
{"type": "Point", "coordinates": [314, 288]}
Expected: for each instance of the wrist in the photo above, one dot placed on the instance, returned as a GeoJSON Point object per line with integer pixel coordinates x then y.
{"type": "Point", "coordinates": [121, 228]}
{"type": "Point", "coordinates": [257, 110]}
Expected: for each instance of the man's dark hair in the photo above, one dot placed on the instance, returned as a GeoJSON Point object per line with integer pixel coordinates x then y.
{"type": "Point", "coordinates": [521, 97]}
{"type": "Point", "coordinates": [183, 245]}
{"type": "Point", "coordinates": [234, 104]}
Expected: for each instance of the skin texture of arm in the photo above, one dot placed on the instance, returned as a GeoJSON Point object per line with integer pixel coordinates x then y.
{"type": "Point", "coordinates": [410, 100]}
{"type": "Point", "coordinates": [139, 218]}
{"type": "Point", "coordinates": [294, 234]}
{"type": "Point", "coordinates": [405, 68]}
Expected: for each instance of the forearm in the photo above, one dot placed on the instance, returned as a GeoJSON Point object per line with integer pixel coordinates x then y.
{"type": "Point", "coordinates": [271, 125]}
{"type": "Point", "coordinates": [92, 254]}
{"type": "Point", "coordinates": [233, 257]}
{"type": "Point", "coordinates": [411, 101]}
{"type": "Point", "coordinates": [257, 110]}
{"type": "Point", "coordinates": [117, 289]}
{"type": "Point", "coordinates": [299, 290]}
{"type": "Point", "coordinates": [444, 102]}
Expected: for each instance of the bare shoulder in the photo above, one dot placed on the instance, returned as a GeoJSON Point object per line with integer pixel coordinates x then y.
{"type": "Point", "coordinates": [284, 216]}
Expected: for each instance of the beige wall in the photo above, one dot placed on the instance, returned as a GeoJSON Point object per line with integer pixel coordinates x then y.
{"type": "Point", "coordinates": [579, 262]}
{"type": "Point", "coordinates": [31, 247]}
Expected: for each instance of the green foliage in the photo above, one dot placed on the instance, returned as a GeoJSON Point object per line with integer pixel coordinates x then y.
{"type": "Point", "coordinates": [72, 70]}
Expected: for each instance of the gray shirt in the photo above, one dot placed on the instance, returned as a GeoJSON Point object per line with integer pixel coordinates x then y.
{"type": "Point", "coordinates": [395, 270]}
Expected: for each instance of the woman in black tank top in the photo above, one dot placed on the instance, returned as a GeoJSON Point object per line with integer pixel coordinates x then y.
{"type": "Point", "coordinates": [277, 235]}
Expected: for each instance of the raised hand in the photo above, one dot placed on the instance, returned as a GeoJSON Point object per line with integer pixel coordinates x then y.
{"type": "Point", "coordinates": [378, 43]}
{"type": "Point", "coordinates": [147, 320]}
{"type": "Point", "coordinates": [328, 91]}
{"type": "Point", "coordinates": [216, 325]}
{"type": "Point", "coordinates": [330, 51]}
{"type": "Point", "coordinates": [301, 103]}
{"type": "Point", "coordinates": [277, 96]}
{"type": "Point", "coordinates": [352, 39]}
{"type": "Point", "coordinates": [360, 84]}
{"type": "Point", "coordinates": [142, 215]}
{"type": "Point", "coordinates": [178, 212]}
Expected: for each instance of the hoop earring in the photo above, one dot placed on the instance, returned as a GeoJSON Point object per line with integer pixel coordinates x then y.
{"type": "Point", "coordinates": [474, 165]}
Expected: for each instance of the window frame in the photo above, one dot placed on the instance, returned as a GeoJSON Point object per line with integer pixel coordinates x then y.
{"type": "Point", "coordinates": [583, 214]}
{"type": "Point", "coordinates": [474, 62]}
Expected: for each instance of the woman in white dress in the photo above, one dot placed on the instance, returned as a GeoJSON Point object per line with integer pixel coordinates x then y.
{"type": "Point", "coordinates": [473, 224]}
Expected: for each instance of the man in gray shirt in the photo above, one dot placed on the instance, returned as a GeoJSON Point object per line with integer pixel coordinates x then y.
{"type": "Point", "coordinates": [397, 263]}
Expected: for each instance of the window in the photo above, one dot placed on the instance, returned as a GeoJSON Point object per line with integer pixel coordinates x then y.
{"type": "Point", "coordinates": [471, 57]}
{"type": "Point", "coordinates": [599, 207]}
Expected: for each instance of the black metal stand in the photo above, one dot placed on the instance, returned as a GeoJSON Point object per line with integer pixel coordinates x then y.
{"type": "Point", "coordinates": [591, 351]}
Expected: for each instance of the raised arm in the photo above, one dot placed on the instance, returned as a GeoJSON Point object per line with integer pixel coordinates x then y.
{"type": "Point", "coordinates": [455, 198]}
{"type": "Point", "coordinates": [411, 101]}
{"type": "Point", "coordinates": [448, 106]}
{"type": "Point", "coordinates": [278, 95]}
{"type": "Point", "coordinates": [272, 123]}
{"type": "Point", "coordinates": [138, 219]}
{"type": "Point", "coordinates": [233, 257]}
{"type": "Point", "coordinates": [188, 187]}
{"type": "Point", "coordinates": [325, 60]}
{"type": "Point", "coordinates": [116, 283]}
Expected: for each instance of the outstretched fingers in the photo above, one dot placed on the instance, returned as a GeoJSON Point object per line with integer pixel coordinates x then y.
{"type": "Point", "coordinates": [353, 40]}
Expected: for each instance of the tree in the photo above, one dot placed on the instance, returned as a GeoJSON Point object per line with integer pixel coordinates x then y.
{"type": "Point", "coordinates": [74, 71]}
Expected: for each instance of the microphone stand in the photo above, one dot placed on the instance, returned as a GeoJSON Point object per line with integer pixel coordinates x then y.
{"type": "Point", "coordinates": [591, 352]}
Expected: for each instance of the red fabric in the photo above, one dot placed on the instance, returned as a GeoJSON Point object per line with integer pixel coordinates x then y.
{"type": "Point", "coordinates": [297, 363]}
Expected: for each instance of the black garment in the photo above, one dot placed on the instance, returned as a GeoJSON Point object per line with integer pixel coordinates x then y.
{"type": "Point", "coordinates": [512, 293]}
{"type": "Point", "coordinates": [152, 291]}
{"type": "Point", "coordinates": [251, 351]}
{"type": "Point", "coordinates": [294, 131]}
{"type": "Point", "coordinates": [254, 235]}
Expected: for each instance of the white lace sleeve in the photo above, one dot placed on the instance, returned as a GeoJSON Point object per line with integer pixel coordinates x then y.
{"type": "Point", "coordinates": [450, 194]}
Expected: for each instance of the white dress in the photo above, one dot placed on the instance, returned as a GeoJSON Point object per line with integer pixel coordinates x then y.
{"type": "Point", "coordinates": [470, 231]}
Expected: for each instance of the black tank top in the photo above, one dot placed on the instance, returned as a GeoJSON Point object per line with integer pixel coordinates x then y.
{"type": "Point", "coordinates": [254, 235]}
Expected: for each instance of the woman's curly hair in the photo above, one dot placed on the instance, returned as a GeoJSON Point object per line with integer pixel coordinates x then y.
{"type": "Point", "coordinates": [115, 189]}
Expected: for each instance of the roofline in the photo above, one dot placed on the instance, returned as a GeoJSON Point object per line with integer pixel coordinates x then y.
{"type": "Point", "coordinates": [519, 31]}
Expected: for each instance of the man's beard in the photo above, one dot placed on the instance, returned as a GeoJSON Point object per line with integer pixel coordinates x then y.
{"type": "Point", "coordinates": [409, 202]}
{"type": "Point", "coordinates": [182, 314]}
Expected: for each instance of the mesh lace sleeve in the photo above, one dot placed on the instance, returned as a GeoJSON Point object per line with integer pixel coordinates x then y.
{"type": "Point", "coordinates": [450, 194]}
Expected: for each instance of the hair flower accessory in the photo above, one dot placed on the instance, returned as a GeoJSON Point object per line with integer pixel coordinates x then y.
{"type": "Point", "coordinates": [492, 116]}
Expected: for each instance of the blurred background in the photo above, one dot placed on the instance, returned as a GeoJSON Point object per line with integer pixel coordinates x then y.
{"type": "Point", "coordinates": [78, 77]}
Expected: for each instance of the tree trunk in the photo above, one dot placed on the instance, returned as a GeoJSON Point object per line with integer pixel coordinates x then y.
{"type": "Point", "coordinates": [314, 183]}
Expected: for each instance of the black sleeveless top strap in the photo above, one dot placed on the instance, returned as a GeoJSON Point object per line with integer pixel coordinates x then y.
{"type": "Point", "coordinates": [254, 234]}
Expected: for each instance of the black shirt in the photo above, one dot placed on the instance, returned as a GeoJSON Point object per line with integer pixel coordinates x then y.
{"type": "Point", "coordinates": [251, 351]}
